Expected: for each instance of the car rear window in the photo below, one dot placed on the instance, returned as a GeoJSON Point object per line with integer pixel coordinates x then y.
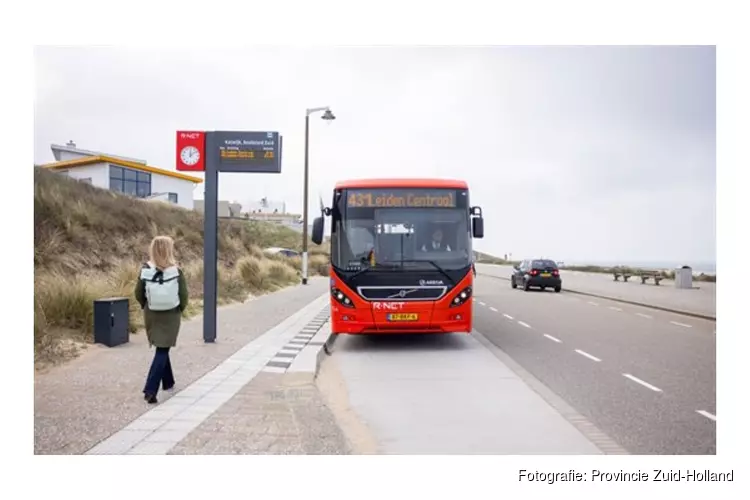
{"type": "Point", "coordinates": [544, 264]}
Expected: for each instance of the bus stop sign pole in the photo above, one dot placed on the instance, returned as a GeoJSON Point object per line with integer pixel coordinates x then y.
{"type": "Point", "coordinates": [212, 153]}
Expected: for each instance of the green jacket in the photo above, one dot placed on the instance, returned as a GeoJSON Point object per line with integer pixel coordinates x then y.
{"type": "Point", "coordinates": [162, 327]}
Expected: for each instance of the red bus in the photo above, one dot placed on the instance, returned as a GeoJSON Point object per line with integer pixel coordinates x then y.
{"type": "Point", "coordinates": [401, 256]}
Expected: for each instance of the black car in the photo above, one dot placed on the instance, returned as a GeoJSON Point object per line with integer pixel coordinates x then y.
{"type": "Point", "coordinates": [540, 273]}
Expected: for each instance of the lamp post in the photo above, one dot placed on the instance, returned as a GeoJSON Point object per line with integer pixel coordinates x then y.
{"type": "Point", "coordinates": [327, 115]}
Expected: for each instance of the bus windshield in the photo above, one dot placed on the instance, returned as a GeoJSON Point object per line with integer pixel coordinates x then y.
{"type": "Point", "coordinates": [400, 236]}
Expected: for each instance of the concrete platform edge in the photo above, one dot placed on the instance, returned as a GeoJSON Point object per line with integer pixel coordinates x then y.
{"type": "Point", "coordinates": [316, 351]}
{"type": "Point", "coordinates": [624, 301]}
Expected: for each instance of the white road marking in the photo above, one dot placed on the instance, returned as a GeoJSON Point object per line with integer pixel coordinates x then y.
{"type": "Point", "coordinates": [508, 316]}
{"type": "Point", "coordinates": [524, 324]}
{"type": "Point", "coordinates": [644, 315]}
{"type": "Point", "coordinates": [706, 414]}
{"type": "Point", "coordinates": [615, 308]}
{"type": "Point", "coordinates": [585, 354]}
{"type": "Point", "coordinates": [593, 303]}
{"type": "Point", "coordinates": [681, 324]}
{"type": "Point", "coordinates": [482, 304]}
{"type": "Point", "coordinates": [493, 309]}
{"type": "Point", "coordinates": [639, 381]}
{"type": "Point", "coordinates": [553, 338]}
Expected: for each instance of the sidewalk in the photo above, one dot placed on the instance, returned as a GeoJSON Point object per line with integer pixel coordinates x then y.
{"type": "Point", "coordinates": [91, 398]}
{"type": "Point", "coordinates": [700, 301]}
{"type": "Point", "coordinates": [253, 413]}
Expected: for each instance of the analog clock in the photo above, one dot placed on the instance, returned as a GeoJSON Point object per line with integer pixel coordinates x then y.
{"type": "Point", "coordinates": [190, 155]}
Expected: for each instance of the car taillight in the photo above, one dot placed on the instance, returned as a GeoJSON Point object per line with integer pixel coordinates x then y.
{"type": "Point", "coordinates": [461, 297]}
{"type": "Point", "coordinates": [341, 298]}
{"type": "Point", "coordinates": [555, 273]}
{"type": "Point", "coordinates": [533, 272]}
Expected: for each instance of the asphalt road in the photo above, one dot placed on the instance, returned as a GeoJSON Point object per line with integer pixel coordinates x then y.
{"type": "Point", "coordinates": [700, 300]}
{"type": "Point", "coordinates": [644, 377]}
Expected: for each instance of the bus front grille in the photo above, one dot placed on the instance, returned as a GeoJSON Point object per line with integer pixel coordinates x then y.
{"type": "Point", "coordinates": [401, 293]}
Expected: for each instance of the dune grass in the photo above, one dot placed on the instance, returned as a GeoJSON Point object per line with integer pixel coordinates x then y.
{"type": "Point", "coordinates": [90, 243]}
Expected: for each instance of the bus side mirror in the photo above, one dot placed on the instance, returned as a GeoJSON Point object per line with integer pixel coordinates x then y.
{"type": "Point", "coordinates": [477, 227]}
{"type": "Point", "coordinates": [317, 230]}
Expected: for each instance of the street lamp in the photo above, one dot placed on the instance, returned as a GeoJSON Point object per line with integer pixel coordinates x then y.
{"type": "Point", "coordinates": [327, 115]}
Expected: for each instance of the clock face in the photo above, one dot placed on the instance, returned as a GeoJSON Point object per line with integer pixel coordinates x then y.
{"type": "Point", "coordinates": [190, 155]}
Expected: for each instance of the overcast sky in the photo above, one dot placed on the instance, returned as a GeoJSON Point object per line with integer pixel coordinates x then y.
{"type": "Point", "coordinates": [574, 153]}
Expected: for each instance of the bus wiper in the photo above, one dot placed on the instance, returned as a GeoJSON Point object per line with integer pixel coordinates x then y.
{"type": "Point", "coordinates": [434, 264]}
{"type": "Point", "coordinates": [361, 271]}
{"type": "Point", "coordinates": [366, 267]}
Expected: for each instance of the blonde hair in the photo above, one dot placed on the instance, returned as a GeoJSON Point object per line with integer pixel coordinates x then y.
{"type": "Point", "coordinates": [162, 252]}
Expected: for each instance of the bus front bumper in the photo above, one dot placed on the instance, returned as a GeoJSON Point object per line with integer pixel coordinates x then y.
{"type": "Point", "coordinates": [429, 320]}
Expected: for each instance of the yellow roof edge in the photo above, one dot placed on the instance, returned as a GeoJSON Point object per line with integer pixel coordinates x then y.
{"type": "Point", "coordinates": [123, 163]}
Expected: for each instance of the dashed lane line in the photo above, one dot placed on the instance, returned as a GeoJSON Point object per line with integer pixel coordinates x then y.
{"type": "Point", "coordinates": [615, 308]}
{"type": "Point", "coordinates": [644, 315]}
{"type": "Point", "coordinates": [524, 324]}
{"type": "Point", "coordinates": [706, 414]}
{"type": "Point", "coordinates": [587, 355]}
{"type": "Point", "coordinates": [681, 324]}
{"type": "Point", "coordinates": [553, 338]}
{"type": "Point", "coordinates": [482, 304]}
{"type": "Point", "coordinates": [593, 303]}
{"type": "Point", "coordinates": [639, 381]}
{"type": "Point", "coordinates": [493, 309]}
{"type": "Point", "coordinates": [508, 316]}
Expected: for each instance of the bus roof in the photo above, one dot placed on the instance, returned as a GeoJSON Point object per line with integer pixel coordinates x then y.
{"type": "Point", "coordinates": [426, 183]}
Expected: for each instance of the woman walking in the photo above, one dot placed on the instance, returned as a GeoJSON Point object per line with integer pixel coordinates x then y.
{"type": "Point", "coordinates": [162, 293]}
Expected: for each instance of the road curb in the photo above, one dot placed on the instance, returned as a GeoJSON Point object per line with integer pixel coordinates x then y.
{"type": "Point", "coordinates": [307, 361]}
{"type": "Point", "coordinates": [321, 346]}
{"type": "Point", "coordinates": [324, 347]}
{"type": "Point", "coordinates": [624, 301]}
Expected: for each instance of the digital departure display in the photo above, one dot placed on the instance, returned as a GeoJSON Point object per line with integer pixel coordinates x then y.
{"type": "Point", "coordinates": [401, 198]}
{"type": "Point", "coordinates": [247, 151]}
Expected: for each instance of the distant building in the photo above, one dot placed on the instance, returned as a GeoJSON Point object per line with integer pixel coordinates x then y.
{"type": "Point", "coordinates": [292, 221]}
{"type": "Point", "coordinates": [264, 205]}
{"type": "Point", "coordinates": [225, 208]}
{"type": "Point", "coordinates": [125, 175]}
{"type": "Point", "coordinates": [263, 210]}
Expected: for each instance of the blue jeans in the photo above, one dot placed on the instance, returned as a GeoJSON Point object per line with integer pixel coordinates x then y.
{"type": "Point", "coordinates": [160, 372]}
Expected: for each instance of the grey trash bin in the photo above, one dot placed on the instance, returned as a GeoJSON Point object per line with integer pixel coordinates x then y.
{"type": "Point", "coordinates": [683, 277]}
{"type": "Point", "coordinates": [111, 321]}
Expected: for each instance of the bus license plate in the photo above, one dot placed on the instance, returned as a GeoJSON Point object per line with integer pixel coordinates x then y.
{"type": "Point", "coordinates": [403, 317]}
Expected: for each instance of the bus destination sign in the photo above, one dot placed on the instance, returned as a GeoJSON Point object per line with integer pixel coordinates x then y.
{"type": "Point", "coordinates": [401, 198]}
{"type": "Point", "coordinates": [247, 151]}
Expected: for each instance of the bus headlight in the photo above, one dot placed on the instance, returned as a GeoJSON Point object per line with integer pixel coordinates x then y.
{"type": "Point", "coordinates": [341, 298]}
{"type": "Point", "coordinates": [462, 297]}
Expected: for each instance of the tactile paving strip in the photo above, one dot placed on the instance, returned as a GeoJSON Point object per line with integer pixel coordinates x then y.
{"type": "Point", "coordinates": [284, 358]}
